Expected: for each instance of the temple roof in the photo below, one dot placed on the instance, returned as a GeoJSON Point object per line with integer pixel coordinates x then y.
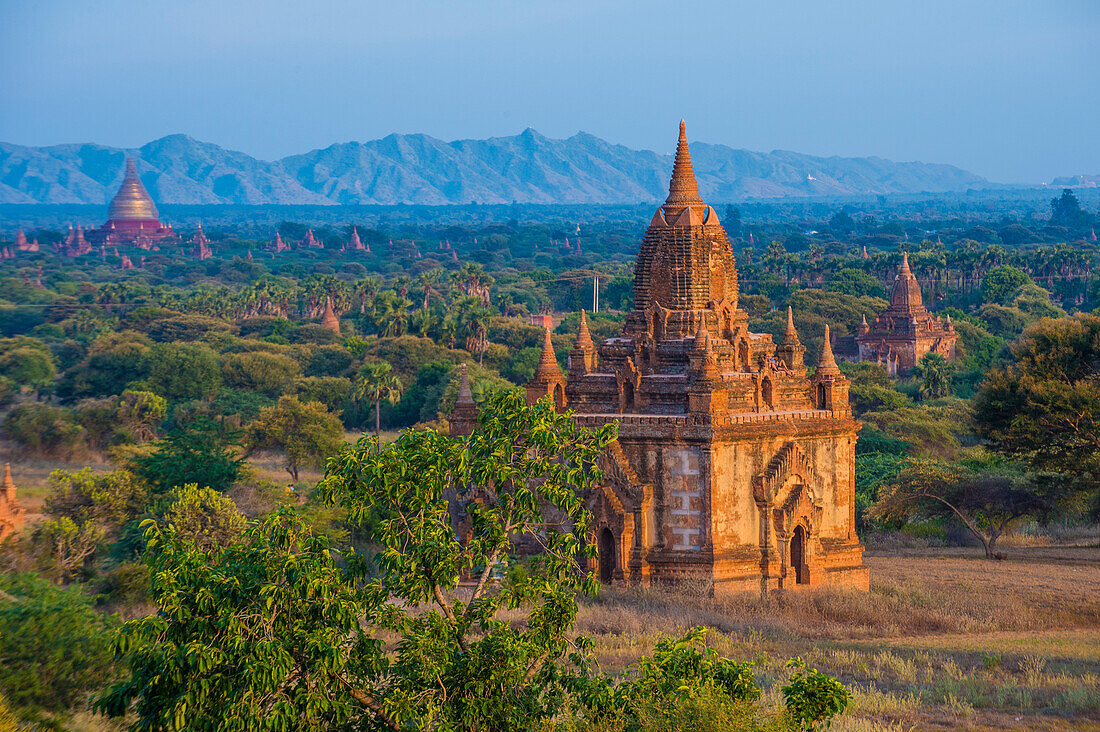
{"type": "Point", "coordinates": [132, 202]}
{"type": "Point", "coordinates": [905, 294]}
{"type": "Point", "coordinates": [683, 189]}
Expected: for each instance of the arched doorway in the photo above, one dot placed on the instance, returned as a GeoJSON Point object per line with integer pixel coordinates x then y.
{"type": "Point", "coordinates": [821, 397]}
{"type": "Point", "coordinates": [559, 397]}
{"type": "Point", "coordinates": [767, 393]}
{"type": "Point", "coordinates": [743, 355]}
{"type": "Point", "coordinates": [798, 555]}
{"type": "Point", "coordinates": [607, 554]}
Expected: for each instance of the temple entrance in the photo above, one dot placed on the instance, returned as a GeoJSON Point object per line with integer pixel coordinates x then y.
{"type": "Point", "coordinates": [628, 397]}
{"type": "Point", "coordinates": [607, 554]}
{"type": "Point", "coordinates": [767, 394]}
{"type": "Point", "coordinates": [798, 556]}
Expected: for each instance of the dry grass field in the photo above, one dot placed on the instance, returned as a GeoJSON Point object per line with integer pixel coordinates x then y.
{"type": "Point", "coordinates": [945, 640]}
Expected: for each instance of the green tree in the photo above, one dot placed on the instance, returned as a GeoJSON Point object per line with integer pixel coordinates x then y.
{"type": "Point", "coordinates": [933, 373]}
{"type": "Point", "coordinates": [999, 283]}
{"type": "Point", "coordinates": [205, 518]}
{"type": "Point", "coordinates": [305, 432]}
{"type": "Point", "coordinates": [267, 373]}
{"type": "Point", "coordinates": [181, 371]}
{"type": "Point", "coordinates": [203, 452]}
{"type": "Point", "coordinates": [54, 647]}
{"type": "Point", "coordinates": [987, 501]}
{"type": "Point", "coordinates": [855, 282]}
{"type": "Point", "coordinates": [278, 634]}
{"type": "Point", "coordinates": [1066, 211]}
{"type": "Point", "coordinates": [1044, 407]}
{"type": "Point", "coordinates": [377, 382]}
{"type": "Point", "coordinates": [142, 412]}
{"type": "Point", "coordinates": [28, 366]}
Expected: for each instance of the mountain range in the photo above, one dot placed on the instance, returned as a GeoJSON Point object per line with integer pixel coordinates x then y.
{"type": "Point", "coordinates": [418, 169]}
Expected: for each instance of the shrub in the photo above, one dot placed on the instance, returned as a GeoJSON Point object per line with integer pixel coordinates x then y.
{"type": "Point", "coordinates": [812, 698]}
{"type": "Point", "coordinates": [45, 430]}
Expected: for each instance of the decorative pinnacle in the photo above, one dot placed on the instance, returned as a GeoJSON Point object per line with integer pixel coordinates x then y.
{"type": "Point", "coordinates": [683, 190]}
{"type": "Point", "coordinates": [790, 336]}
{"type": "Point", "coordinates": [8, 485]}
{"type": "Point", "coordinates": [584, 338]}
{"type": "Point", "coordinates": [465, 394]}
{"type": "Point", "coordinates": [548, 362]}
{"type": "Point", "coordinates": [827, 364]}
{"type": "Point", "coordinates": [905, 271]}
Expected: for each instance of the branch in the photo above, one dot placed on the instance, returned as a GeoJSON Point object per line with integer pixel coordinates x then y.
{"type": "Point", "coordinates": [372, 704]}
{"type": "Point", "coordinates": [536, 665]}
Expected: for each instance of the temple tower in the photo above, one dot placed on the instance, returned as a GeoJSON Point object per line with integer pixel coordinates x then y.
{"type": "Point", "coordinates": [905, 331]}
{"type": "Point", "coordinates": [733, 465]}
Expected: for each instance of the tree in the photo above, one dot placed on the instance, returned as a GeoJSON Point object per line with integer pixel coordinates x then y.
{"type": "Point", "coordinates": [986, 501]}
{"type": "Point", "coordinates": [28, 366]}
{"type": "Point", "coordinates": [377, 382]}
{"type": "Point", "coordinates": [933, 373]}
{"type": "Point", "coordinates": [275, 630]}
{"type": "Point", "coordinates": [999, 283]}
{"type": "Point", "coordinates": [181, 371]}
{"type": "Point", "coordinates": [1044, 407]}
{"type": "Point", "coordinates": [854, 282]}
{"type": "Point", "coordinates": [305, 432]}
{"type": "Point", "coordinates": [266, 373]}
{"type": "Point", "coordinates": [63, 546]}
{"type": "Point", "coordinates": [203, 452]}
{"type": "Point", "coordinates": [1066, 211]}
{"type": "Point", "coordinates": [205, 518]}
{"type": "Point", "coordinates": [142, 412]}
{"type": "Point", "coordinates": [55, 647]}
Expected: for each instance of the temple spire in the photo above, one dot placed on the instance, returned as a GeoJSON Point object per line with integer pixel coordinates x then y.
{"type": "Point", "coordinates": [329, 319]}
{"type": "Point", "coordinates": [584, 338]}
{"type": "Point", "coordinates": [8, 486]}
{"type": "Point", "coordinates": [827, 364]}
{"type": "Point", "coordinates": [548, 362]}
{"type": "Point", "coordinates": [465, 394]}
{"type": "Point", "coordinates": [683, 189]}
{"type": "Point", "coordinates": [905, 271]}
{"type": "Point", "coordinates": [790, 336]}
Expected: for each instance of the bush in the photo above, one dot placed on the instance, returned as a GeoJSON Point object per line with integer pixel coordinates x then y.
{"type": "Point", "coordinates": [267, 373]}
{"type": "Point", "coordinates": [812, 698]}
{"type": "Point", "coordinates": [45, 430]}
{"type": "Point", "coordinates": [181, 371]}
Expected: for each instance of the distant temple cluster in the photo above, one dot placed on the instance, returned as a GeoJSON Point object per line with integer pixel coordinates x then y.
{"type": "Point", "coordinates": [734, 463]}
{"type": "Point", "coordinates": [132, 219]}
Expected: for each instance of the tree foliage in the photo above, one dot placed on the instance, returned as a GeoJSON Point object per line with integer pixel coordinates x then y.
{"type": "Point", "coordinates": [305, 432]}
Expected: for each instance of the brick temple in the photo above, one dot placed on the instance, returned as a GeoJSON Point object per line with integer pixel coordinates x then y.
{"type": "Point", "coordinates": [734, 464]}
{"type": "Point", "coordinates": [903, 333]}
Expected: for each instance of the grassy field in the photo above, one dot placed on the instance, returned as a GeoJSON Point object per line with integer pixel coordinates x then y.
{"type": "Point", "coordinates": [945, 640]}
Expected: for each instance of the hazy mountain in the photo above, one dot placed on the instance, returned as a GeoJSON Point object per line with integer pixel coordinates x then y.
{"type": "Point", "coordinates": [527, 168]}
{"type": "Point", "coordinates": [1076, 181]}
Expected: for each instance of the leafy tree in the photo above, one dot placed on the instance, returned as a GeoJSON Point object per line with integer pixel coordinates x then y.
{"type": "Point", "coordinates": [204, 452]}
{"type": "Point", "coordinates": [180, 371]}
{"type": "Point", "coordinates": [142, 412]}
{"type": "Point", "coordinates": [1000, 282]}
{"type": "Point", "coordinates": [986, 501]}
{"type": "Point", "coordinates": [44, 430]}
{"type": "Point", "coordinates": [1044, 407]}
{"type": "Point", "coordinates": [28, 366]}
{"type": "Point", "coordinates": [1066, 211]}
{"type": "Point", "coordinates": [267, 373]}
{"type": "Point", "coordinates": [114, 361]}
{"type": "Point", "coordinates": [305, 432]}
{"type": "Point", "coordinates": [110, 500]}
{"type": "Point", "coordinates": [63, 547]}
{"type": "Point", "coordinates": [205, 518]}
{"type": "Point", "coordinates": [855, 282]}
{"type": "Point", "coordinates": [278, 633]}
{"type": "Point", "coordinates": [376, 382]}
{"type": "Point", "coordinates": [933, 373]}
{"type": "Point", "coordinates": [812, 697]}
{"type": "Point", "coordinates": [332, 391]}
{"type": "Point", "coordinates": [54, 647]}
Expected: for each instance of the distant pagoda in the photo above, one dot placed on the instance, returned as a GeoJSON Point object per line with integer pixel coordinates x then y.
{"type": "Point", "coordinates": [132, 217]}
{"type": "Point", "coordinates": [903, 333]}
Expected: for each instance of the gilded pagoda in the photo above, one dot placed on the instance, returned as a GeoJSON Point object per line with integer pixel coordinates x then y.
{"type": "Point", "coordinates": [132, 217]}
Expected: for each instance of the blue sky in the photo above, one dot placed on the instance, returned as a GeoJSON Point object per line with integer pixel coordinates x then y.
{"type": "Point", "coordinates": [1005, 88]}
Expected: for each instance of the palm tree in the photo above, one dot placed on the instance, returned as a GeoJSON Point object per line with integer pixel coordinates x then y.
{"type": "Point", "coordinates": [375, 382]}
{"type": "Point", "coordinates": [933, 372]}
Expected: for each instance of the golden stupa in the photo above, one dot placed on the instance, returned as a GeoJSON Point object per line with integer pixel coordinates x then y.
{"type": "Point", "coordinates": [132, 218]}
{"type": "Point", "coordinates": [132, 202]}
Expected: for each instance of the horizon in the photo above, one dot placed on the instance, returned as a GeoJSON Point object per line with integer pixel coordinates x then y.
{"type": "Point", "coordinates": [997, 89]}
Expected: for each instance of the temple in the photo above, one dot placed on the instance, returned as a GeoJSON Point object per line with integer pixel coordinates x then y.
{"type": "Point", "coordinates": [12, 515]}
{"type": "Point", "coordinates": [132, 217]}
{"type": "Point", "coordinates": [734, 464]}
{"type": "Point", "coordinates": [903, 333]}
